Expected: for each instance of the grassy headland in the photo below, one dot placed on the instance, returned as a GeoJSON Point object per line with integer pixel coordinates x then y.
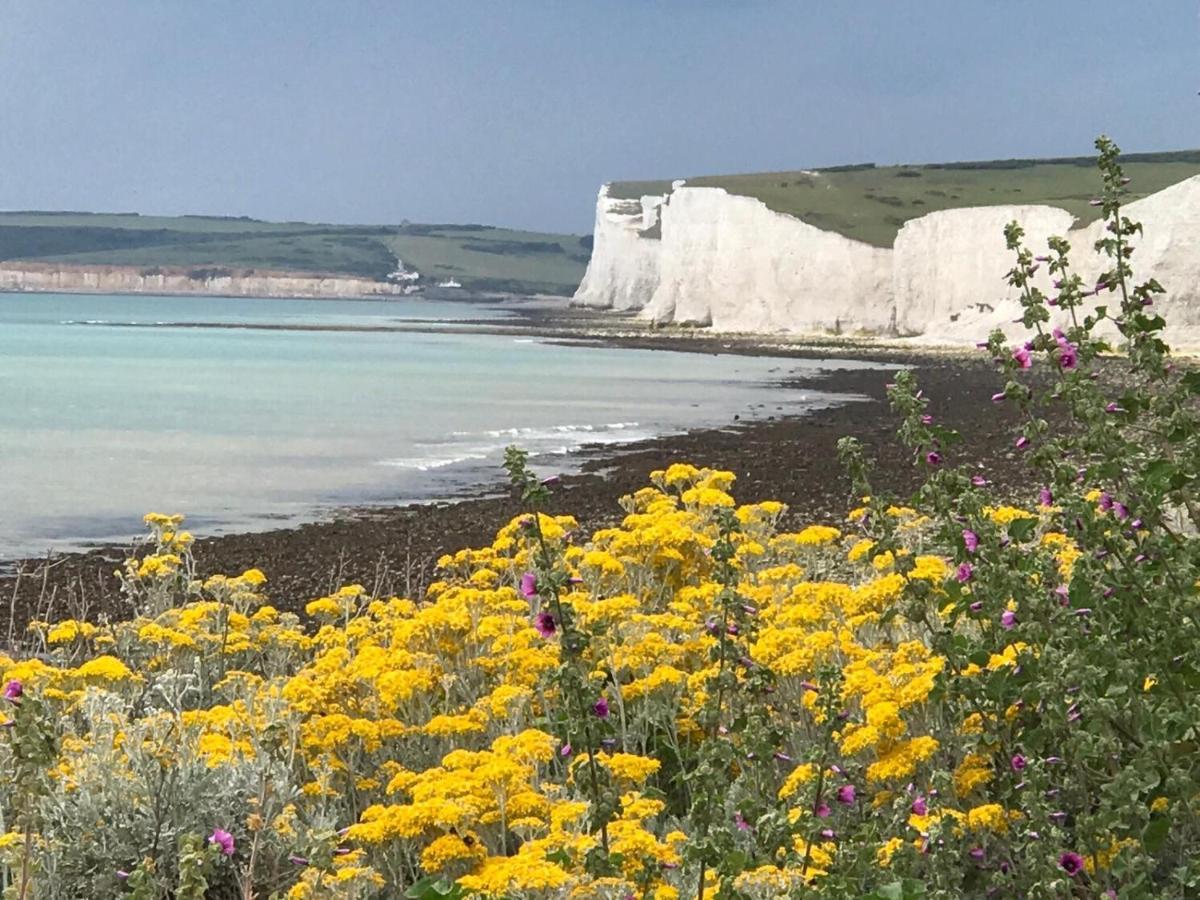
{"type": "Point", "coordinates": [870, 203]}
{"type": "Point", "coordinates": [479, 257]}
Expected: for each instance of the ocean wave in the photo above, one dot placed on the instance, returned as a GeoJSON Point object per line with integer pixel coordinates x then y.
{"type": "Point", "coordinates": [426, 463]}
{"type": "Point", "coordinates": [545, 432]}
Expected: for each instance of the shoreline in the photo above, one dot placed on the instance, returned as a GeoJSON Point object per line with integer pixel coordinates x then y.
{"type": "Point", "coordinates": [392, 549]}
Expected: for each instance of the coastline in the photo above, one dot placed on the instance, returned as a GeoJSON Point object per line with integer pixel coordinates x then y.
{"type": "Point", "coordinates": [393, 549]}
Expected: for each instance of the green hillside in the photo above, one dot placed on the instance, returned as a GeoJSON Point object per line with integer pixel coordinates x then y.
{"type": "Point", "coordinates": [477, 256]}
{"type": "Point", "coordinates": [869, 203]}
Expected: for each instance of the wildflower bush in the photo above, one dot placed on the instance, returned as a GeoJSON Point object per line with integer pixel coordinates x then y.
{"type": "Point", "coordinates": [950, 696]}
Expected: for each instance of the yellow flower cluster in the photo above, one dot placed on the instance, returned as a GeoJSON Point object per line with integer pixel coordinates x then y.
{"type": "Point", "coordinates": [423, 727]}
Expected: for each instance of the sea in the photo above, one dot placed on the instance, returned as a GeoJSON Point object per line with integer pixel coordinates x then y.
{"type": "Point", "coordinates": [250, 414]}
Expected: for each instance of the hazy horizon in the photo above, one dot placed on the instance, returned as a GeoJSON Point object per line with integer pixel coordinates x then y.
{"type": "Point", "coordinates": [513, 114]}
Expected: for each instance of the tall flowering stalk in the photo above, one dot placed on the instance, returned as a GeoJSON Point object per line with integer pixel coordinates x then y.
{"type": "Point", "coordinates": [585, 713]}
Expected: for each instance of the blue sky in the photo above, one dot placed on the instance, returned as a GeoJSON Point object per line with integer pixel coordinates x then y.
{"type": "Point", "coordinates": [509, 112]}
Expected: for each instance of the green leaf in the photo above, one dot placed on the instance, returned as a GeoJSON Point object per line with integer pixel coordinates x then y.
{"type": "Point", "coordinates": [1021, 529]}
{"type": "Point", "coordinates": [1155, 833]}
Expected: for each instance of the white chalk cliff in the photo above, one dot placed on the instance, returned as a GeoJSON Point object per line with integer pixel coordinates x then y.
{"type": "Point", "coordinates": [702, 256]}
{"type": "Point", "coordinates": [32, 276]}
{"type": "Point", "coordinates": [623, 270]}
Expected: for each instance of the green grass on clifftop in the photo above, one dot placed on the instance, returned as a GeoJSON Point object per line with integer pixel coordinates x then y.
{"type": "Point", "coordinates": [477, 256]}
{"type": "Point", "coordinates": [869, 203]}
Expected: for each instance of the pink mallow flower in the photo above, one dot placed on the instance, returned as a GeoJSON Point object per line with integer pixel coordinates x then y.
{"type": "Point", "coordinates": [545, 625]}
{"type": "Point", "coordinates": [846, 794]}
{"type": "Point", "coordinates": [970, 540]}
{"type": "Point", "coordinates": [1008, 620]}
{"type": "Point", "coordinates": [529, 585]}
{"type": "Point", "coordinates": [1018, 762]}
{"type": "Point", "coordinates": [600, 708]}
{"type": "Point", "coordinates": [1071, 863]}
{"type": "Point", "coordinates": [965, 572]}
{"type": "Point", "coordinates": [13, 691]}
{"type": "Point", "coordinates": [1045, 497]}
{"type": "Point", "coordinates": [920, 807]}
{"type": "Point", "coordinates": [1023, 357]}
{"type": "Point", "coordinates": [222, 839]}
{"type": "Point", "coordinates": [933, 458]}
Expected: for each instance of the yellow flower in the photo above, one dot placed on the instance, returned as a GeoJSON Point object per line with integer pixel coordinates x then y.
{"type": "Point", "coordinates": [104, 668]}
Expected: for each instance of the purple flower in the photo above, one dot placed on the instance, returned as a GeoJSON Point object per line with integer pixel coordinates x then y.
{"type": "Point", "coordinates": [970, 540]}
{"type": "Point", "coordinates": [978, 480]}
{"type": "Point", "coordinates": [1018, 762]}
{"type": "Point", "coordinates": [740, 822]}
{"type": "Point", "coordinates": [529, 585]}
{"type": "Point", "coordinates": [1022, 442]}
{"type": "Point", "coordinates": [1045, 497]}
{"type": "Point", "coordinates": [846, 794]}
{"type": "Point", "coordinates": [1068, 357]}
{"type": "Point", "coordinates": [976, 606]}
{"type": "Point", "coordinates": [13, 691]}
{"type": "Point", "coordinates": [732, 629]}
{"type": "Point", "coordinates": [926, 419]}
{"type": "Point", "coordinates": [565, 749]}
{"type": "Point", "coordinates": [1023, 357]}
{"type": "Point", "coordinates": [552, 480]}
{"type": "Point", "coordinates": [1121, 511]}
{"type": "Point", "coordinates": [808, 686]}
{"type": "Point", "coordinates": [1071, 863]}
{"type": "Point", "coordinates": [297, 860]}
{"type": "Point", "coordinates": [965, 572]}
{"type": "Point", "coordinates": [975, 853]}
{"type": "Point", "coordinates": [920, 807]}
{"type": "Point", "coordinates": [1008, 619]}
{"type": "Point", "coordinates": [781, 756]}
{"type": "Point", "coordinates": [122, 875]}
{"type": "Point", "coordinates": [600, 708]}
{"type": "Point", "coordinates": [222, 839]}
{"type": "Point", "coordinates": [822, 811]}
{"type": "Point", "coordinates": [545, 624]}
{"type": "Point", "coordinates": [933, 458]}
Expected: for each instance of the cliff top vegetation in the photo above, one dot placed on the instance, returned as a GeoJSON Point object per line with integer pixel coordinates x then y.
{"type": "Point", "coordinates": [479, 257]}
{"type": "Point", "coordinates": [870, 203]}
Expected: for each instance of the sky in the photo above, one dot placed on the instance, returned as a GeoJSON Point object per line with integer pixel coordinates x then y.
{"type": "Point", "coordinates": [513, 112]}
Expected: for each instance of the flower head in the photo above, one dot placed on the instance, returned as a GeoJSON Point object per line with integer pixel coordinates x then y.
{"type": "Point", "coordinates": [846, 794]}
{"type": "Point", "coordinates": [920, 807]}
{"type": "Point", "coordinates": [1071, 863]}
{"type": "Point", "coordinates": [1008, 619]}
{"type": "Point", "coordinates": [545, 624]}
{"type": "Point", "coordinates": [13, 690]}
{"type": "Point", "coordinates": [933, 458]}
{"type": "Point", "coordinates": [1045, 497]}
{"type": "Point", "coordinates": [600, 708]}
{"type": "Point", "coordinates": [970, 540]}
{"type": "Point", "coordinates": [222, 839]}
{"type": "Point", "coordinates": [529, 585]}
{"type": "Point", "coordinates": [1023, 357]}
{"type": "Point", "coordinates": [1018, 762]}
{"type": "Point", "coordinates": [965, 572]}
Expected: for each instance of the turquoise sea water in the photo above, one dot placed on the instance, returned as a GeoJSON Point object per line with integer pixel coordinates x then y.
{"type": "Point", "coordinates": [245, 428]}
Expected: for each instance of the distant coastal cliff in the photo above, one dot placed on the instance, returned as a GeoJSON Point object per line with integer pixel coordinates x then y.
{"type": "Point", "coordinates": [706, 257]}
{"type": "Point", "coordinates": [219, 281]}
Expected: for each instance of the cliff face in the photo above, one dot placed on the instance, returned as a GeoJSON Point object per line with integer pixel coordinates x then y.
{"type": "Point", "coordinates": [730, 263]}
{"type": "Point", "coordinates": [624, 267]}
{"type": "Point", "coordinates": [19, 276]}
